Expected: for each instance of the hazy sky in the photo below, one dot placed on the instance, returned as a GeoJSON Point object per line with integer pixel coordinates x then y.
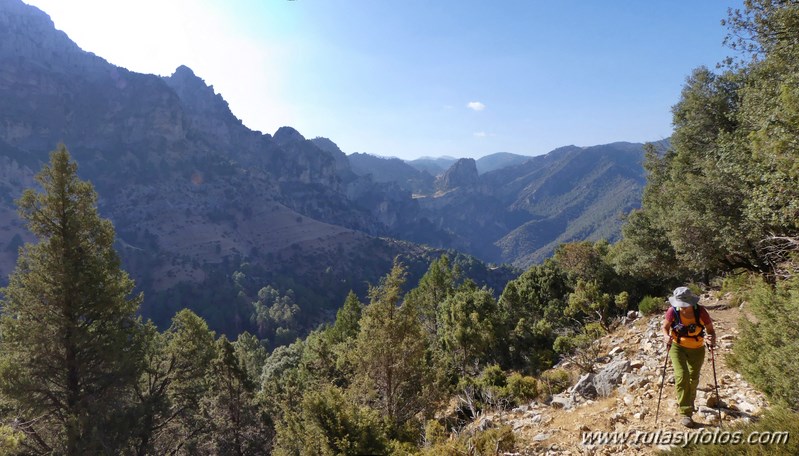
{"type": "Point", "coordinates": [409, 78]}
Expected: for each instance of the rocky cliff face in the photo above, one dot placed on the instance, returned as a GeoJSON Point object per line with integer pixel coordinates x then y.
{"type": "Point", "coordinates": [520, 214]}
{"type": "Point", "coordinates": [394, 170]}
{"type": "Point", "coordinates": [28, 33]}
{"type": "Point", "coordinates": [188, 185]}
{"type": "Point", "coordinates": [189, 188]}
{"type": "Point", "coordinates": [463, 173]}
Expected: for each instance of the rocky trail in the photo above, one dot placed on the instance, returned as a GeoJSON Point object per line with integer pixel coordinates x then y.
{"type": "Point", "coordinates": [621, 396]}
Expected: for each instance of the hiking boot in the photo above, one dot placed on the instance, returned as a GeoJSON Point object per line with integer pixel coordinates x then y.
{"type": "Point", "coordinates": [687, 422]}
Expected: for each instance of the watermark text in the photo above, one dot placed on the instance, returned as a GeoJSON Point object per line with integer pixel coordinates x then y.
{"type": "Point", "coordinates": [685, 438]}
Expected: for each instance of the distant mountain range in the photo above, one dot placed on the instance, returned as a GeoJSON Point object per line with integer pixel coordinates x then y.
{"type": "Point", "coordinates": [196, 196]}
{"type": "Point", "coordinates": [521, 208]}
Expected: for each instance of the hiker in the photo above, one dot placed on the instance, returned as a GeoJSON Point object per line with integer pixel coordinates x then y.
{"type": "Point", "coordinates": [686, 326]}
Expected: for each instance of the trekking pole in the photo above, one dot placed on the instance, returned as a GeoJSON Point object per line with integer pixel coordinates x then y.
{"type": "Point", "coordinates": [715, 381]}
{"type": "Point", "coordinates": [662, 380]}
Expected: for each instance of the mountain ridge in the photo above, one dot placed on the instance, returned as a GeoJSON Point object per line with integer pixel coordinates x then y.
{"type": "Point", "coordinates": [191, 189]}
{"type": "Point", "coordinates": [196, 197]}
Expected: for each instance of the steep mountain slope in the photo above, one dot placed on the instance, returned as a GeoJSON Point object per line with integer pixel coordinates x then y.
{"type": "Point", "coordinates": [462, 173]}
{"type": "Point", "coordinates": [519, 214]}
{"type": "Point", "coordinates": [392, 170]}
{"type": "Point", "coordinates": [433, 165]}
{"type": "Point", "coordinates": [499, 160]}
{"type": "Point", "coordinates": [194, 195]}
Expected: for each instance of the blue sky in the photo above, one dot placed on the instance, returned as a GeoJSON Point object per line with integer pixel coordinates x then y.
{"type": "Point", "coordinates": [412, 78]}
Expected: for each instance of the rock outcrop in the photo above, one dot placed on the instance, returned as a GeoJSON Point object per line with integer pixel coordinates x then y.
{"type": "Point", "coordinates": [463, 173]}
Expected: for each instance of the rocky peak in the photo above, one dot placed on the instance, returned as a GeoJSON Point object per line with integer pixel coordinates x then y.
{"type": "Point", "coordinates": [462, 173]}
{"type": "Point", "coordinates": [198, 97]}
{"type": "Point", "coordinates": [285, 135]}
{"type": "Point", "coordinates": [327, 145]}
{"type": "Point", "coordinates": [28, 34]}
{"type": "Point", "coordinates": [342, 163]}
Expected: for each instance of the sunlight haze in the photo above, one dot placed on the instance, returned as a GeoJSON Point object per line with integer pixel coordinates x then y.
{"type": "Point", "coordinates": [416, 78]}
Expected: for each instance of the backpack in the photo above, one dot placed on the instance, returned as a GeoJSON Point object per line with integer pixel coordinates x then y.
{"type": "Point", "coordinates": [695, 331]}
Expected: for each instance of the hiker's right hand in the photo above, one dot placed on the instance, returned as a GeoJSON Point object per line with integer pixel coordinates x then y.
{"type": "Point", "coordinates": [667, 339]}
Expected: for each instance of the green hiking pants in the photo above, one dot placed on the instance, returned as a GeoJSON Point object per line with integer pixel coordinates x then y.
{"type": "Point", "coordinates": [687, 363]}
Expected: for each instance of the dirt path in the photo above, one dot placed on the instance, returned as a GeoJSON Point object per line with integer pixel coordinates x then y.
{"type": "Point", "coordinates": [630, 408]}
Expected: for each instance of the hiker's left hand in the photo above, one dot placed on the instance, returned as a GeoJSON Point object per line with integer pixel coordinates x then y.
{"type": "Point", "coordinates": [711, 340]}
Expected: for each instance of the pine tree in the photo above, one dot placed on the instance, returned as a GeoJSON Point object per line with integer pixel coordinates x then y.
{"type": "Point", "coordinates": [70, 337]}
{"type": "Point", "coordinates": [437, 284]}
{"type": "Point", "coordinates": [348, 318]}
{"type": "Point", "coordinates": [236, 425]}
{"type": "Point", "coordinates": [390, 353]}
{"type": "Point", "coordinates": [173, 383]}
{"type": "Point", "coordinates": [468, 328]}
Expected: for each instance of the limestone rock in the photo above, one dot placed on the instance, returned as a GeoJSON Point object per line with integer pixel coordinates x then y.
{"type": "Point", "coordinates": [462, 173]}
{"type": "Point", "coordinates": [607, 379]}
{"type": "Point", "coordinates": [616, 350]}
{"type": "Point", "coordinates": [585, 387]}
{"type": "Point", "coordinates": [562, 401]}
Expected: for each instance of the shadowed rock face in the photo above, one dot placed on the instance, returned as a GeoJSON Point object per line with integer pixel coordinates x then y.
{"type": "Point", "coordinates": [188, 185]}
{"type": "Point", "coordinates": [193, 193]}
{"type": "Point", "coordinates": [463, 173]}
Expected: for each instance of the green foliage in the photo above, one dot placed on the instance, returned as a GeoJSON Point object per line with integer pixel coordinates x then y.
{"type": "Point", "coordinates": [531, 308]}
{"type": "Point", "coordinates": [775, 420]}
{"type": "Point", "coordinates": [173, 384]}
{"type": "Point", "coordinates": [737, 282]}
{"type": "Point", "coordinates": [467, 328]}
{"type": "Point", "coordinates": [434, 433]}
{"type": "Point", "coordinates": [493, 441]}
{"type": "Point", "coordinates": [588, 302]}
{"type": "Point", "coordinates": [650, 305]}
{"type": "Point", "coordinates": [252, 354]}
{"type": "Point", "coordinates": [492, 377]}
{"type": "Point", "coordinates": [71, 343]}
{"type": "Point", "coordinates": [766, 348]}
{"type": "Point", "coordinates": [275, 315]}
{"type": "Point", "coordinates": [584, 261]}
{"type": "Point", "coordinates": [235, 425]}
{"type": "Point", "coordinates": [725, 196]}
{"type": "Point", "coordinates": [348, 318]}
{"type": "Point", "coordinates": [390, 368]}
{"type": "Point", "coordinates": [282, 381]}
{"type": "Point", "coordinates": [555, 381]}
{"type": "Point", "coordinates": [582, 348]}
{"type": "Point", "coordinates": [490, 442]}
{"type": "Point", "coordinates": [598, 292]}
{"type": "Point", "coordinates": [522, 388]}
{"type": "Point", "coordinates": [332, 424]}
{"type": "Point", "coordinates": [435, 286]}
{"type": "Point", "coordinates": [644, 250]}
{"type": "Point", "coordinates": [10, 441]}
{"type": "Point", "coordinates": [493, 388]}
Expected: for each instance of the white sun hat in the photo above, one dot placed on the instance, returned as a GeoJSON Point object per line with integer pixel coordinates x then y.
{"type": "Point", "coordinates": [683, 297]}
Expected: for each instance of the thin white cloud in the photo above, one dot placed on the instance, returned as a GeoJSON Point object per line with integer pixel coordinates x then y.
{"type": "Point", "coordinates": [475, 106]}
{"type": "Point", "coordinates": [480, 134]}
